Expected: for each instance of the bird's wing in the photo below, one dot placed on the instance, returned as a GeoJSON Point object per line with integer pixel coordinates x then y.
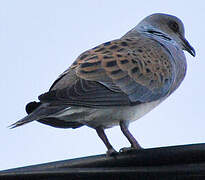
{"type": "Point", "coordinates": [120, 72]}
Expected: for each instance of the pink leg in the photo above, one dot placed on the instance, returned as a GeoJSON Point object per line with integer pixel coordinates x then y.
{"type": "Point", "coordinates": [103, 137]}
{"type": "Point", "coordinates": [129, 136]}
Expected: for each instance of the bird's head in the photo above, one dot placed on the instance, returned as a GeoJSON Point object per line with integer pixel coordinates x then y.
{"type": "Point", "coordinates": [167, 27]}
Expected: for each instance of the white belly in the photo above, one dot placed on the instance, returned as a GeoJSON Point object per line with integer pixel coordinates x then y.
{"type": "Point", "coordinates": [113, 115]}
{"type": "Point", "coordinates": [106, 117]}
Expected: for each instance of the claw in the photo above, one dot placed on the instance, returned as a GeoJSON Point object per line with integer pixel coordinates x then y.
{"type": "Point", "coordinates": [129, 149]}
{"type": "Point", "coordinates": [111, 152]}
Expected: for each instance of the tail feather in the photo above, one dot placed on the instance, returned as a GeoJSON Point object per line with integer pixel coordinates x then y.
{"type": "Point", "coordinates": [36, 112]}
{"type": "Point", "coordinates": [23, 121]}
{"type": "Point", "coordinates": [19, 123]}
{"type": "Point", "coordinates": [30, 107]}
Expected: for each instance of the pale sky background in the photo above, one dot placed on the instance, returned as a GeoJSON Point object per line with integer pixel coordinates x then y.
{"type": "Point", "coordinates": [39, 39]}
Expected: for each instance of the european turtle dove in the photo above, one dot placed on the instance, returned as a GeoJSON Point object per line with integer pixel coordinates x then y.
{"type": "Point", "coordinates": [117, 82]}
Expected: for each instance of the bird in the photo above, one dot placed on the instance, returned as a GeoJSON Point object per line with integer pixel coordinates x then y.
{"type": "Point", "coordinates": [117, 82]}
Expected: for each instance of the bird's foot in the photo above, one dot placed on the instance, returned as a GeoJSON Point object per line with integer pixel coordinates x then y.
{"type": "Point", "coordinates": [129, 149]}
{"type": "Point", "coordinates": [111, 152]}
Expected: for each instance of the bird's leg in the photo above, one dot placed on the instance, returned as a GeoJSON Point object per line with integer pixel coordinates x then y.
{"type": "Point", "coordinates": [129, 136]}
{"type": "Point", "coordinates": [103, 137]}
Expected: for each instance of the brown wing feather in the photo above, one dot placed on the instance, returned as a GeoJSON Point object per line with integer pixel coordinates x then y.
{"type": "Point", "coordinates": [123, 58]}
{"type": "Point", "coordinates": [130, 71]}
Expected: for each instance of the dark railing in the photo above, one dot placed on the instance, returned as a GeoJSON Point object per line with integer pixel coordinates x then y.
{"type": "Point", "coordinates": [164, 163]}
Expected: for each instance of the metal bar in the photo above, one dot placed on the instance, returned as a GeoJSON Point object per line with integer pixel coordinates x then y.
{"type": "Point", "coordinates": [186, 161]}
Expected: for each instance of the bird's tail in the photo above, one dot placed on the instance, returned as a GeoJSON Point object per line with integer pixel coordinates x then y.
{"type": "Point", "coordinates": [37, 113]}
{"type": "Point", "coordinates": [33, 115]}
{"type": "Point", "coordinates": [23, 121]}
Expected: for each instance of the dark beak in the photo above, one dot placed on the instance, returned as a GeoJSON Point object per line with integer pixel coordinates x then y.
{"type": "Point", "coordinates": [188, 47]}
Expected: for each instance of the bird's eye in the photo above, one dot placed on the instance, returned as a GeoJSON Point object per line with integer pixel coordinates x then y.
{"type": "Point", "coordinates": [174, 26]}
